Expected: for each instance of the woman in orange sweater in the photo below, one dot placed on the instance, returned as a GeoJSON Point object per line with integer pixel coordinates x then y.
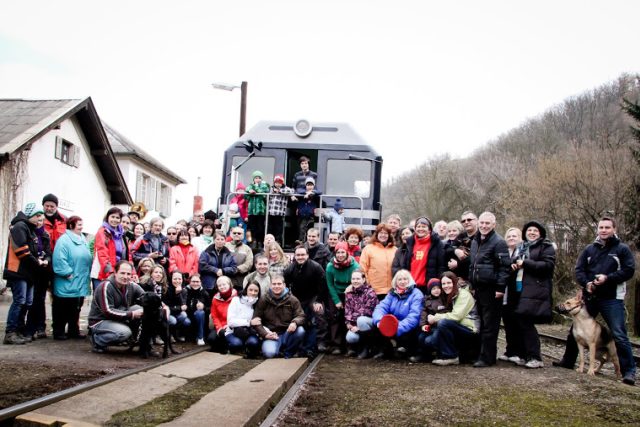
{"type": "Point", "coordinates": [376, 260]}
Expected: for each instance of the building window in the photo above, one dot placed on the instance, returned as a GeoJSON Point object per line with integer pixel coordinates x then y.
{"type": "Point", "coordinates": [154, 194]}
{"type": "Point", "coordinates": [67, 152]}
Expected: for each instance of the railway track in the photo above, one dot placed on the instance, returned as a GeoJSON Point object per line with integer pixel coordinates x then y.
{"type": "Point", "coordinates": [271, 383]}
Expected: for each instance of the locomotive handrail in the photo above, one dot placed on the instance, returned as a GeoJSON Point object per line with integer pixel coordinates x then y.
{"type": "Point", "coordinates": [343, 197]}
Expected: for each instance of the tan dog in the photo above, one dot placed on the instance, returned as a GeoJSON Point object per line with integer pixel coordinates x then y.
{"type": "Point", "coordinates": [590, 334]}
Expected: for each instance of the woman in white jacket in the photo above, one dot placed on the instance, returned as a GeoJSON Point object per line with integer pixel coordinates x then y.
{"type": "Point", "coordinates": [240, 335]}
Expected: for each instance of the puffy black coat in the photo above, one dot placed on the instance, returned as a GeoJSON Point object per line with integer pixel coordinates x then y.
{"type": "Point", "coordinates": [436, 264]}
{"type": "Point", "coordinates": [489, 262]}
{"type": "Point", "coordinates": [535, 298]}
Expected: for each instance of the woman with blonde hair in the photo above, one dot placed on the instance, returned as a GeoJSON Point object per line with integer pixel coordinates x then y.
{"type": "Point", "coordinates": [401, 308]}
{"type": "Point", "coordinates": [278, 261]}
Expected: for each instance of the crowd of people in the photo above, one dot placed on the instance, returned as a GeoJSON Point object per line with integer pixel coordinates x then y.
{"type": "Point", "coordinates": [419, 292]}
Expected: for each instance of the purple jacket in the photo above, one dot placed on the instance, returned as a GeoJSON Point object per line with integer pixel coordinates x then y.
{"type": "Point", "coordinates": [359, 302]}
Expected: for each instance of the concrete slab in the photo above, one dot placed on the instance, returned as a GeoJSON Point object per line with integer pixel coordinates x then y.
{"type": "Point", "coordinates": [247, 399]}
{"type": "Point", "coordinates": [99, 404]}
{"type": "Point", "coordinates": [196, 366]}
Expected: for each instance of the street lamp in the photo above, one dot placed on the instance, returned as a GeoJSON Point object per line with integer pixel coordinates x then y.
{"type": "Point", "coordinates": [243, 101]}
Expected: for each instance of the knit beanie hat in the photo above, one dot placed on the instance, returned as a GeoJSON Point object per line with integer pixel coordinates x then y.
{"type": "Point", "coordinates": [338, 205]}
{"type": "Point", "coordinates": [278, 178]}
{"type": "Point", "coordinates": [342, 245]}
{"type": "Point", "coordinates": [310, 180]}
{"type": "Point", "coordinates": [256, 174]}
{"type": "Point", "coordinates": [433, 282]}
{"type": "Point", "coordinates": [32, 209]}
{"type": "Point", "coordinates": [50, 198]}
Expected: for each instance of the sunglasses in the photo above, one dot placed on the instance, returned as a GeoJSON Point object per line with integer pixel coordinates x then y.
{"type": "Point", "coordinates": [236, 232]}
{"type": "Point", "coordinates": [172, 234]}
{"type": "Point", "coordinates": [467, 220]}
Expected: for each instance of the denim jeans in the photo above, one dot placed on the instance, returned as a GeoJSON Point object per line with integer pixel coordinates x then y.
{"type": "Point", "coordinates": [198, 321]}
{"type": "Point", "coordinates": [614, 313]}
{"type": "Point", "coordinates": [290, 342]}
{"type": "Point", "coordinates": [310, 343]}
{"type": "Point", "coordinates": [181, 319]}
{"type": "Point", "coordinates": [365, 324]}
{"type": "Point", "coordinates": [22, 300]}
{"type": "Point", "coordinates": [251, 343]}
{"type": "Point", "coordinates": [110, 332]}
{"type": "Point", "coordinates": [443, 338]}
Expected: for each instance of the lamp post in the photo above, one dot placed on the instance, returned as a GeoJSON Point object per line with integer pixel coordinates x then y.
{"type": "Point", "coordinates": [243, 101]}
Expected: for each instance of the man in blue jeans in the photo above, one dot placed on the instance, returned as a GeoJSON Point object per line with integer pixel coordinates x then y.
{"type": "Point", "coordinates": [278, 318]}
{"type": "Point", "coordinates": [20, 267]}
{"type": "Point", "coordinates": [602, 270]}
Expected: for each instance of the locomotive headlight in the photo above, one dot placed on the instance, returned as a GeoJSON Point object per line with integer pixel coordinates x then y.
{"type": "Point", "coordinates": [302, 128]}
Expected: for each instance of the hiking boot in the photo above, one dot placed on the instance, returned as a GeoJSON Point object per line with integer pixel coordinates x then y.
{"type": "Point", "coordinates": [446, 362]}
{"type": "Point", "coordinates": [12, 338]}
{"type": "Point", "coordinates": [41, 335]}
{"type": "Point", "coordinates": [26, 338]}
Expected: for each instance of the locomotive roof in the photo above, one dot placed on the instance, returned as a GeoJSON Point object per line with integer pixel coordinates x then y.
{"type": "Point", "coordinates": [324, 133]}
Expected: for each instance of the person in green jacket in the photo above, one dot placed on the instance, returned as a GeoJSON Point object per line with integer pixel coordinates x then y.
{"type": "Point", "coordinates": [72, 268]}
{"type": "Point", "coordinates": [458, 326]}
{"type": "Point", "coordinates": [255, 194]}
{"type": "Point", "coordinates": [338, 277]}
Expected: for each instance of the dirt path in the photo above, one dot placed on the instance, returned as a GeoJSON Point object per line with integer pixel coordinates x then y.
{"type": "Point", "coordinates": [371, 393]}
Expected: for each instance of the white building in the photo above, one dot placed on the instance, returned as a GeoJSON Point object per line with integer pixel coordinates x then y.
{"type": "Point", "coordinates": [148, 180]}
{"type": "Point", "coordinates": [59, 147]}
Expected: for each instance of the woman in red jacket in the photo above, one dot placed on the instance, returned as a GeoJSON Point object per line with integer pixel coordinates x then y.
{"type": "Point", "coordinates": [184, 256]}
{"type": "Point", "coordinates": [109, 246]}
{"type": "Point", "coordinates": [219, 308]}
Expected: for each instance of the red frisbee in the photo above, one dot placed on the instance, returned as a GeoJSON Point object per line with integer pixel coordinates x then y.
{"type": "Point", "coordinates": [388, 325]}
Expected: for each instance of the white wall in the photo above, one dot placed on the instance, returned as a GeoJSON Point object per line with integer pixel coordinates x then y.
{"type": "Point", "coordinates": [81, 191]}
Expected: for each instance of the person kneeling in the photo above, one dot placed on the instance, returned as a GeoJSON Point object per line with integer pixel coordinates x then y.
{"type": "Point", "coordinates": [460, 325]}
{"type": "Point", "coordinates": [278, 318]}
{"type": "Point", "coordinates": [241, 336]}
{"type": "Point", "coordinates": [113, 314]}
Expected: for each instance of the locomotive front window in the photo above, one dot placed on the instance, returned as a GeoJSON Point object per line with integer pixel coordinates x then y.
{"type": "Point", "coordinates": [349, 177]}
{"type": "Point", "coordinates": [266, 165]}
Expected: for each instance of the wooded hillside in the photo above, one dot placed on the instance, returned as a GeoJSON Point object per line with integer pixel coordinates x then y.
{"type": "Point", "coordinates": [565, 168]}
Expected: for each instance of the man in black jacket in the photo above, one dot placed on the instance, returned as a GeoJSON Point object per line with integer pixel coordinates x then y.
{"type": "Point", "coordinates": [602, 270]}
{"type": "Point", "coordinates": [318, 251]}
{"type": "Point", "coordinates": [306, 279]}
{"type": "Point", "coordinates": [488, 273]}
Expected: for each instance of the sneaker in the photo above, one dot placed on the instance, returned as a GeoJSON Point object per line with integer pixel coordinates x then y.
{"type": "Point", "coordinates": [446, 362]}
{"type": "Point", "coordinates": [629, 378]}
{"type": "Point", "coordinates": [200, 341]}
{"type": "Point", "coordinates": [25, 338]}
{"type": "Point", "coordinates": [417, 359]}
{"type": "Point", "coordinates": [322, 348]}
{"type": "Point", "coordinates": [351, 353]}
{"type": "Point", "coordinates": [533, 364]}
{"type": "Point", "coordinates": [517, 360]}
{"type": "Point", "coordinates": [336, 351]}
{"type": "Point", "coordinates": [95, 347]}
{"type": "Point", "coordinates": [504, 358]}
{"type": "Point", "coordinates": [364, 353]}
{"type": "Point", "coordinates": [12, 338]}
{"type": "Point", "coordinates": [41, 335]}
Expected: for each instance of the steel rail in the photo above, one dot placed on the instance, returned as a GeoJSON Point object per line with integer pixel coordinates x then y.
{"type": "Point", "coordinates": [23, 408]}
{"type": "Point", "coordinates": [291, 394]}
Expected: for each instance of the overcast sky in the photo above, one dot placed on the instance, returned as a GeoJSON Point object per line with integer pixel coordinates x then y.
{"type": "Point", "coordinates": [414, 78]}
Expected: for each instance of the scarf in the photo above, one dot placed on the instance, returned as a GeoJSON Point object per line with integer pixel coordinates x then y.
{"type": "Point", "coordinates": [116, 234]}
{"type": "Point", "coordinates": [226, 294]}
{"type": "Point", "coordinates": [247, 300]}
{"type": "Point", "coordinates": [342, 265]}
{"type": "Point", "coordinates": [523, 253]}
